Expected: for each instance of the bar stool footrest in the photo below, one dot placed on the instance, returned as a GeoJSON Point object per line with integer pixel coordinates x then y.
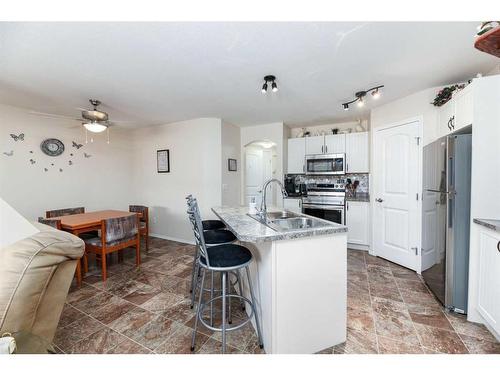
{"type": "Point", "coordinates": [228, 329]}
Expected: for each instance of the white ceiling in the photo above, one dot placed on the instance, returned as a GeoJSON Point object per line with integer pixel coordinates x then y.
{"type": "Point", "coordinates": [150, 73]}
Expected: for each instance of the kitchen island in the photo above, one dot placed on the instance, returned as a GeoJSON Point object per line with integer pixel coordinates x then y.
{"type": "Point", "coordinates": [300, 277]}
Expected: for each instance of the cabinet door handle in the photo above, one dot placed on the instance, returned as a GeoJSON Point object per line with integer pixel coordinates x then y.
{"type": "Point", "coordinates": [498, 246]}
{"type": "Point", "coordinates": [449, 126]}
{"type": "Point", "coordinates": [322, 149]}
{"type": "Point", "coordinates": [379, 200]}
{"type": "Point", "coordinates": [453, 122]}
{"type": "Point", "coordinates": [326, 149]}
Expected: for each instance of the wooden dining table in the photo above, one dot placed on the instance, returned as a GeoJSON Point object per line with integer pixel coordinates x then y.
{"type": "Point", "coordinates": [89, 221]}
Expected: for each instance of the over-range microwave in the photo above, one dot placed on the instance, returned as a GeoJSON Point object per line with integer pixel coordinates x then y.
{"type": "Point", "coordinates": [322, 164]}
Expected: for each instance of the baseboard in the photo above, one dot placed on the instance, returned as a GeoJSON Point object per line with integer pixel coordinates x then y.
{"type": "Point", "coordinates": [358, 247]}
{"type": "Point", "coordinates": [170, 238]}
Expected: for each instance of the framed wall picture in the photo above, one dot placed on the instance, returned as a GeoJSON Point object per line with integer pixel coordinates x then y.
{"type": "Point", "coordinates": [163, 161]}
{"type": "Point", "coordinates": [232, 165]}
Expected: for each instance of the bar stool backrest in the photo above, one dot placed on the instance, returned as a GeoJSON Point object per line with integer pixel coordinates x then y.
{"type": "Point", "coordinates": [197, 225]}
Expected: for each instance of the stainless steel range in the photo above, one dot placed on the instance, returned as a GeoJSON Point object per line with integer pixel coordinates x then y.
{"type": "Point", "coordinates": [326, 201]}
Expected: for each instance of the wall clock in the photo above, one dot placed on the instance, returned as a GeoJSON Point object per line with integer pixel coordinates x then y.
{"type": "Point", "coordinates": [52, 147]}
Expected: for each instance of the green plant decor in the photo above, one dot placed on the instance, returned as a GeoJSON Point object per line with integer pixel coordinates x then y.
{"type": "Point", "coordinates": [445, 94]}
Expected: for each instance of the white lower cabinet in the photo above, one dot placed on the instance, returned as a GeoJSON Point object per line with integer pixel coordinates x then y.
{"type": "Point", "coordinates": [293, 204]}
{"type": "Point", "coordinates": [489, 278]}
{"type": "Point", "coordinates": [357, 216]}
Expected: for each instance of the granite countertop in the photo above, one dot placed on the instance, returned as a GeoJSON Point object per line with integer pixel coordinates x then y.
{"type": "Point", "coordinates": [248, 229]}
{"type": "Point", "coordinates": [359, 197]}
{"type": "Point", "coordinates": [489, 223]}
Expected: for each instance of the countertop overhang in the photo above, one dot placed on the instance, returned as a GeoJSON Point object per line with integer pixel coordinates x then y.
{"type": "Point", "coordinates": [489, 223]}
{"type": "Point", "coordinates": [247, 229]}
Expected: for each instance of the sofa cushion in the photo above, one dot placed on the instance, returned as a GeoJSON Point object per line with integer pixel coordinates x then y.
{"type": "Point", "coordinates": [35, 275]}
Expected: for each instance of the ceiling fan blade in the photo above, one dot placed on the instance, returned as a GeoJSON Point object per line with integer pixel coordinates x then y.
{"type": "Point", "coordinates": [52, 115]}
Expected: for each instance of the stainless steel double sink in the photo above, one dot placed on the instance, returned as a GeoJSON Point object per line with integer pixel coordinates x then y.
{"type": "Point", "coordinates": [286, 221]}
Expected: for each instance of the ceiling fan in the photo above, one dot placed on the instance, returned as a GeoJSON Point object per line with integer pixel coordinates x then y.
{"type": "Point", "coordinates": [93, 120]}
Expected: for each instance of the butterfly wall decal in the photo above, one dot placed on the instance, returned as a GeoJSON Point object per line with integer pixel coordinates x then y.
{"type": "Point", "coordinates": [77, 145]}
{"type": "Point", "coordinates": [9, 153]}
{"type": "Point", "coordinates": [86, 155]}
{"type": "Point", "coordinates": [32, 161]}
{"type": "Point", "coordinates": [19, 137]}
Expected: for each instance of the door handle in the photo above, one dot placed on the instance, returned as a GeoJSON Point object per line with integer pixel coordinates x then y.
{"type": "Point", "coordinates": [498, 246]}
{"type": "Point", "coordinates": [415, 249]}
{"type": "Point", "coordinates": [379, 200]}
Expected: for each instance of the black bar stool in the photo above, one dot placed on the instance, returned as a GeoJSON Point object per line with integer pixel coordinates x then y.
{"type": "Point", "coordinates": [213, 237]}
{"type": "Point", "coordinates": [225, 259]}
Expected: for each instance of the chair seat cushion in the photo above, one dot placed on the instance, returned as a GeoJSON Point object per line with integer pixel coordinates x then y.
{"type": "Point", "coordinates": [213, 224]}
{"type": "Point", "coordinates": [220, 236]}
{"type": "Point", "coordinates": [225, 256]}
{"type": "Point", "coordinates": [96, 241]}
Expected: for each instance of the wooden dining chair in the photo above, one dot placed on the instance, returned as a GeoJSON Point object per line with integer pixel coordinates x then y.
{"type": "Point", "coordinates": [144, 221]}
{"type": "Point", "coordinates": [57, 225]}
{"type": "Point", "coordinates": [64, 212]}
{"type": "Point", "coordinates": [116, 234]}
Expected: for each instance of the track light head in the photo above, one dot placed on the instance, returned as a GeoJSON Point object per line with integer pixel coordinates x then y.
{"type": "Point", "coordinates": [269, 79]}
{"type": "Point", "coordinates": [361, 102]}
{"type": "Point", "coordinates": [345, 106]}
{"type": "Point", "coordinates": [375, 94]}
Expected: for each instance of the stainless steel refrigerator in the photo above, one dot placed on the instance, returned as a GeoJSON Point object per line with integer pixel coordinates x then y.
{"type": "Point", "coordinates": [446, 219]}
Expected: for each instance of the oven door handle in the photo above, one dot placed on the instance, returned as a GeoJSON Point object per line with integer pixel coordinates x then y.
{"type": "Point", "coordinates": [323, 207]}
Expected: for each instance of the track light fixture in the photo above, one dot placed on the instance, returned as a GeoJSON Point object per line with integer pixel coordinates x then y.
{"type": "Point", "coordinates": [269, 79]}
{"type": "Point", "coordinates": [360, 95]}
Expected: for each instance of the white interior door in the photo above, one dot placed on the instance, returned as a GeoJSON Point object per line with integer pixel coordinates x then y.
{"type": "Point", "coordinates": [253, 175]}
{"type": "Point", "coordinates": [396, 224]}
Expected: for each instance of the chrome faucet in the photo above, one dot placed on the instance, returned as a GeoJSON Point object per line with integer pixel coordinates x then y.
{"type": "Point", "coordinates": [263, 204]}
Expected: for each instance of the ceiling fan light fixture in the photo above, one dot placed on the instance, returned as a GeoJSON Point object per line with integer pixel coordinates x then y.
{"type": "Point", "coordinates": [95, 127]}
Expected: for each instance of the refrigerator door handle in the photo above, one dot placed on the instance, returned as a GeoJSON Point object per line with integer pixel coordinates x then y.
{"type": "Point", "coordinates": [437, 191]}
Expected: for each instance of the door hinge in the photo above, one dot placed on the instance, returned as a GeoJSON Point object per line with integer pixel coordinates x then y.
{"type": "Point", "coordinates": [418, 140]}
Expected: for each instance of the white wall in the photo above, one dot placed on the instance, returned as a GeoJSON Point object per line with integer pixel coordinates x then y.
{"type": "Point", "coordinates": [273, 132]}
{"type": "Point", "coordinates": [195, 168]}
{"type": "Point", "coordinates": [411, 106]}
{"type": "Point", "coordinates": [231, 149]}
{"type": "Point", "coordinates": [101, 181]}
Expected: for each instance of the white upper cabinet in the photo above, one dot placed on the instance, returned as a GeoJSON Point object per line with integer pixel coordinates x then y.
{"type": "Point", "coordinates": [456, 113]}
{"type": "Point", "coordinates": [445, 114]}
{"type": "Point", "coordinates": [357, 153]}
{"type": "Point", "coordinates": [315, 145]}
{"type": "Point", "coordinates": [463, 108]}
{"type": "Point", "coordinates": [335, 144]}
{"type": "Point", "coordinates": [296, 155]}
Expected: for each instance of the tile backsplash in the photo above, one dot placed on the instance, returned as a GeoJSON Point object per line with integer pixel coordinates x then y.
{"type": "Point", "coordinates": [363, 178]}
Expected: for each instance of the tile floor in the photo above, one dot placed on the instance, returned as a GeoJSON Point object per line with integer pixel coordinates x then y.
{"type": "Point", "coordinates": [146, 310]}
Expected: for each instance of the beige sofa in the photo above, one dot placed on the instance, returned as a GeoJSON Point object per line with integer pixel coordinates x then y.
{"type": "Point", "coordinates": [35, 276]}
